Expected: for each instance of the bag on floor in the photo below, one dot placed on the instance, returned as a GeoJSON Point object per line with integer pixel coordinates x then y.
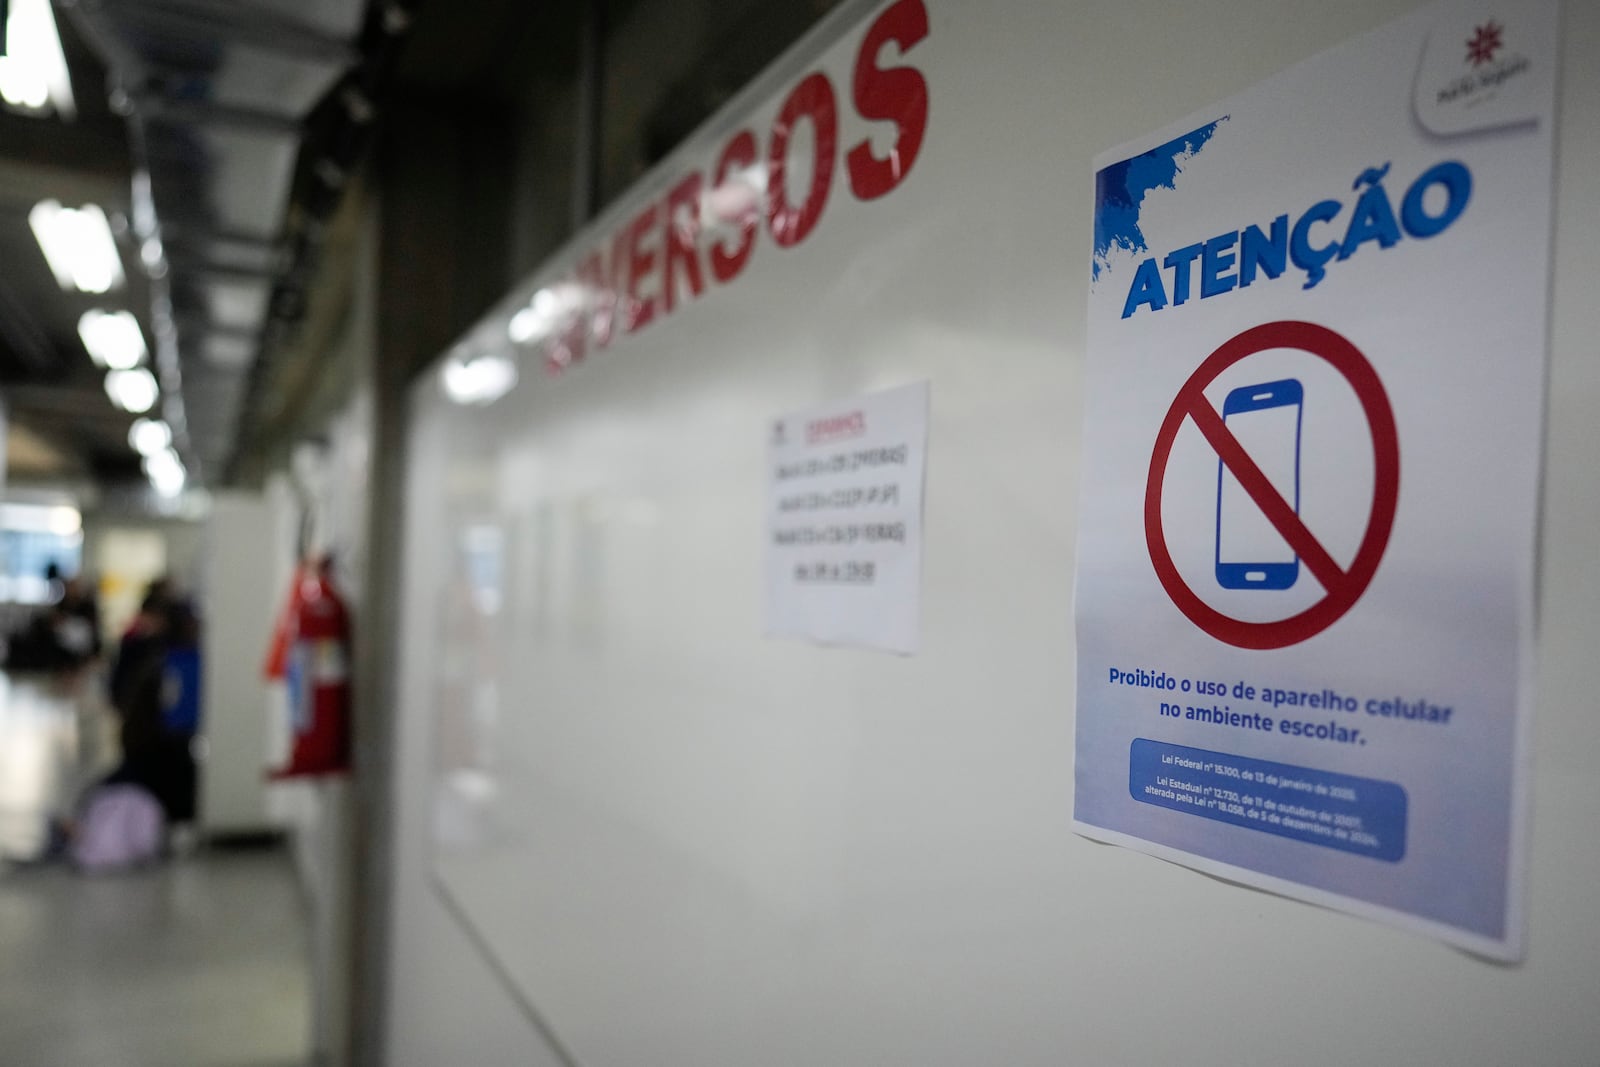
{"type": "Point", "coordinates": [121, 827]}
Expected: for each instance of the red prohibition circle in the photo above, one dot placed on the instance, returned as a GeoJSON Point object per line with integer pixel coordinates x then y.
{"type": "Point", "coordinates": [1343, 587]}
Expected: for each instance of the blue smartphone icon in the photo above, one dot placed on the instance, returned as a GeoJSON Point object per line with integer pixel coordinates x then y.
{"type": "Point", "coordinates": [1251, 553]}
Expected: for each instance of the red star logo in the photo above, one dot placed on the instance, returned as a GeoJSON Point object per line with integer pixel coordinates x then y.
{"type": "Point", "coordinates": [1485, 43]}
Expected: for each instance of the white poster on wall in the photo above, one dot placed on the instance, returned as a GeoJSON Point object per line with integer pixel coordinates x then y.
{"type": "Point", "coordinates": [844, 521]}
{"type": "Point", "coordinates": [1317, 324]}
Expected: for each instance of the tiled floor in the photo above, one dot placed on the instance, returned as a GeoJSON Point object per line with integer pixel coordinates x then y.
{"type": "Point", "coordinates": [198, 962]}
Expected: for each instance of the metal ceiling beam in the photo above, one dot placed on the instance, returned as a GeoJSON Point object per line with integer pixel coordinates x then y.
{"type": "Point", "coordinates": [210, 245]}
{"type": "Point", "coordinates": [228, 21]}
{"type": "Point", "coordinates": [156, 107]}
{"type": "Point", "coordinates": [205, 267]}
{"type": "Point", "coordinates": [183, 231]}
{"type": "Point", "coordinates": [199, 326]}
{"type": "Point", "coordinates": [219, 91]}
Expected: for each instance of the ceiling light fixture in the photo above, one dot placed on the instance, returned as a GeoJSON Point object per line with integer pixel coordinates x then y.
{"type": "Point", "coordinates": [112, 338]}
{"type": "Point", "coordinates": [132, 390]}
{"type": "Point", "coordinates": [78, 245]}
{"type": "Point", "coordinates": [149, 436]}
{"type": "Point", "coordinates": [33, 71]}
{"type": "Point", "coordinates": [165, 471]}
{"type": "Point", "coordinates": [154, 258]}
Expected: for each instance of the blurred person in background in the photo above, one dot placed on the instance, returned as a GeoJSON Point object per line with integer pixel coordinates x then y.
{"type": "Point", "coordinates": [143, 642]}
{"type": "Point", "coordinates": [155, 690]}
{"type": "Point", "coordinates": [65, 635]}
{"type": "Point", "coordinates": [76, 621]}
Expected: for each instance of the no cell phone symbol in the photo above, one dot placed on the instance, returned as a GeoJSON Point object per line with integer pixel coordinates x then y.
{"type": "Point", "coordinates": [1261, 541]}
{"type": "Point", "coordinates": [1265, 420]}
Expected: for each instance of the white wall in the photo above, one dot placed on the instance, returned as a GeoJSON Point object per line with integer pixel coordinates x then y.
{"type": "Point", "coordinates": [124, 554]}
{"type": "Point", "coordinates": [318, 506]}
{"type": "Point", "coordinates": [679, 844]}
{"type": "Point", "coordinates": [330, 482]}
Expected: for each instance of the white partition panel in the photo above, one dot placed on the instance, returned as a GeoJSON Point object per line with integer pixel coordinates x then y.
{"type": "Point", "coordinates": [634, 833]}
{"type": "Point", "coordinates": [240, 598]}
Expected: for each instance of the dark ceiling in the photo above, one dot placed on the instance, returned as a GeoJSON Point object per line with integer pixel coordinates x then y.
{"type": "Point", "coordinates": [242, 113]}
{"type": "Point", "coordinates": [251, 118]}
{"type": "Point", "coordinates": [51, 388]}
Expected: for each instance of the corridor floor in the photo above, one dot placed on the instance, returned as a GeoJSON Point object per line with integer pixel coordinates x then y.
{"type": "Point", "coordinates": [200, 961]}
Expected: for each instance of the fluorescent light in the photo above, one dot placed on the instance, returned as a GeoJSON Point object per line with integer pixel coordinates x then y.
{"type": "Point", "coordinates": [78, 245]}
{"type": "Point", "coordinates": [33, 72]}
{"type": "Point", "coordinates": [479, 380]}
{"type": "Point", "coordinates": [112, 338]}
{"type": "Point", "coordinates": [154, 257]}
{"type": "Point", "coordinates": [149, 436]}
{"type": "Point", "coordinates": [165, 471]}
{"type": "Point", "coordinates": [132, 390]}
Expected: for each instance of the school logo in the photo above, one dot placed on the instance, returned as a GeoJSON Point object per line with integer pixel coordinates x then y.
{"type": "Point", "coordinates": [1486, 40]}
{"type": "Point", "coordinates": [1492, 65]}
{"type": "Point", "coordinates": [1481, 73]}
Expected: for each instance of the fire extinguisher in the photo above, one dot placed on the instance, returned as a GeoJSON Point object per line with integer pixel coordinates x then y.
{"type": "Point", "coordinates": [317, 673]}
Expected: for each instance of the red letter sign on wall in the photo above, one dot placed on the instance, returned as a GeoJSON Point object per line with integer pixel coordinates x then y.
{"type": "Point", "coordinates": [895, 94]}
{"type": "Point", "coordinates": [739, 154]}
{"type": "Point", "coordinates": [813, 98]}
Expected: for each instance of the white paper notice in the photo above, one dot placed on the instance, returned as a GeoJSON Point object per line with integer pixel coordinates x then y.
{"type": "Point", "coordinates": [844, 521]}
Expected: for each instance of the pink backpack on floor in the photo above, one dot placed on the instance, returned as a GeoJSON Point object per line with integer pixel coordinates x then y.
{"type": "Point", "coordinates": [121, 827]}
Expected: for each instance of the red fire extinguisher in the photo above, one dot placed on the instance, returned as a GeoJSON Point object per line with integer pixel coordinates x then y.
{"type": "Point", "coordinates": [317, 674]}
{"type": "Point", "coordinates": [276, 665]}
